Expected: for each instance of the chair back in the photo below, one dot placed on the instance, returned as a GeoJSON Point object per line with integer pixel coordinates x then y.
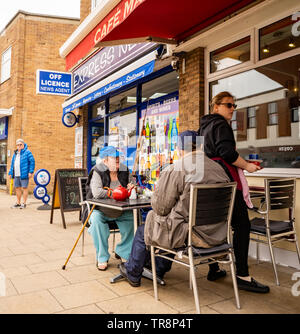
{"type": "Point", "coordinates": [280, 193]}
{"type": "Point", "coordinates": [211, 204]}
{"type": "Point", "coordinates": [82, 191]}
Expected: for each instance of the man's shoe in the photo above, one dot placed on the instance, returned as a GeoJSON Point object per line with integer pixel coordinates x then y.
{"type": "Point", "coordinates": [215, 275]}
{"type": "Point", "coordinates": [16, 206]}
{"type": "Point", "coordinates": [23, 206]}
{"type": "Point", "coordinates": [123, 272]}
{"type": "Point", "coordinates": [252, 286]}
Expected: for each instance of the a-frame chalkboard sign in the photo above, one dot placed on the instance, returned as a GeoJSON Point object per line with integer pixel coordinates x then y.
{"type": "Point", "coordinates": [66, 191]}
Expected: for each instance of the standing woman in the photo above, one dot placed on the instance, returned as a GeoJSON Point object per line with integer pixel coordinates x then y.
{"type": "Point", "coordinates": [220, 145]}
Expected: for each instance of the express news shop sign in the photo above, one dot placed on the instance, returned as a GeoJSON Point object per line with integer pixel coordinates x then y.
{"type": "Point", "coordinates": [107, 61]}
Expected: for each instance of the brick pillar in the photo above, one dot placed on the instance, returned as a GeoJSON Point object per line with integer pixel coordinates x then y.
{"type": "Point", "coordinates": [191, 89]}
{"type": "Point", "coordinates": [85, 9]}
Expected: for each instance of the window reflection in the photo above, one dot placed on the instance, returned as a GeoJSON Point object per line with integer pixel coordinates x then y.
{"type": "Point", "coordinates": [267, 116]}
{"type": "Point", "coordinates": [277, 38]}
{"type": "Point", "coordinates": [230, 55]}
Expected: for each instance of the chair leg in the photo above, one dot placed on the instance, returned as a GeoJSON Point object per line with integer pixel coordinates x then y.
{"type": "Point", "coordinates": [297, 247]}
{"type": "Point", "coordinates": [154, 273]}
{"type": "Point", "coordinates": [257, 252]}
{"type": "Point", "coordinates": [273, 258]}
{"type": "Point", "coordinates": [234, 282]}
{"type": "Point", "coordinates": [194, 282]}
{"type": "Point", "coordinates": [114, 240]}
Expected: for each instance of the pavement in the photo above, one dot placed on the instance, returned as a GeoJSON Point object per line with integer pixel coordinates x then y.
{"type": "Point", "coordinates": [33, 251]}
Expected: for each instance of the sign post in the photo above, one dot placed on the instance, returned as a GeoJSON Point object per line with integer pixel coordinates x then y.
{"type": "Point", "coordinates": [66, 191]}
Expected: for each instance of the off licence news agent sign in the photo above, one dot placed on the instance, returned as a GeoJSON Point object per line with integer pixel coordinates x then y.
{"type": "Point", "coordinates": [53, 83]}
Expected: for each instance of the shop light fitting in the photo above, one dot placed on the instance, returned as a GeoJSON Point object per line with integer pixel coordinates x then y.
{"type": "Point", "coordinates": [266, 49]}
{"type": "Point", "coordinates": [156, 95]}
{"type": "Point", "coordinates": [292, 43]}
{"type": "Point", "coordinates": [132, 99]}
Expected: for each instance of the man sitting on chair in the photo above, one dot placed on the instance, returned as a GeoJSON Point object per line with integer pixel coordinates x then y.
{"type": "Point", "coordinates": [167, 224]}
{"type": "Point", "coordinates": [109, 173]}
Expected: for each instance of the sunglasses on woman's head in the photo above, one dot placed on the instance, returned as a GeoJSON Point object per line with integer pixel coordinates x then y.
{"type": "Point", "coordinates": [229, 105]}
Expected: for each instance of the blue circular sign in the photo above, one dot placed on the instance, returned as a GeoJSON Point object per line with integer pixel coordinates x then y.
{"type": "Point", "coordinates": [69, 119]}
{"type": "Point", "coordinates": [42, 177]}
{"type": "Point", "coordinates": [46, 199]}
{"type": "Point", "coordinates": [39, 192]}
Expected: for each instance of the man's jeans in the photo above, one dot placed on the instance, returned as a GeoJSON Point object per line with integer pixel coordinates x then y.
{"type": "Point", "coordinates": [140, 257]}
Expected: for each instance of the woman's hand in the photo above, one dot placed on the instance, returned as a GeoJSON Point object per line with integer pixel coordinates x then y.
{"type": "Point", "coordinates": [250, 167]}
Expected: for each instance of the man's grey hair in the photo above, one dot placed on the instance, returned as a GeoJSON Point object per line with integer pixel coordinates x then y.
{"type": "Point", "coordinates": [19, 141]}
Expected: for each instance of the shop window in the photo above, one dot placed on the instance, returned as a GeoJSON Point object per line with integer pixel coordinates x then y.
{"type": "Point", "coordinates": [270, 94]}
{"type": "Point", "coordinates": [295, 114]}
{"type": "Point", "coordinates": [123, 100]}
{"type": "Point", "coordinates": [233, 121]}
{"type": "Point", "coordinates": [161, 86]}
{"type": "Point", "coordinates": [5, 65]}
{"type": "Point", "coordinates": [98, 110]}
{"type": "Point", "coordinates": [273, 115]}
{"type": "Point", "coordinates": [251, 111]}
{"type": "Point", "coordinates": [3, 162]}
{"type": "Point", "coordinates": [241, 118]}
{"type": "Point", "coordinates": [122, 134]}
{"type": "Point", "coordinates": [97, 141]}
{"type": "Point", "coordinates": [230, 55]}
{"type": "Point", "coordinates": [279, 37]}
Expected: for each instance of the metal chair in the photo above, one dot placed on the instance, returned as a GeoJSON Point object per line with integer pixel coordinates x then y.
{"type": "Point", "coordinates": [113, 227]}
{"type": "Point", "coordinates": [209, 204]}
{"type": "Point", "coordinates": [279, 194]}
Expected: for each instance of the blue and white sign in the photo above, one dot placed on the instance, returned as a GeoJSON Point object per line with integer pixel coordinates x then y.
{"type": "Point", "coordinates": [69, 119]}
{"type": "Point", "coordinates": [42, 178]}
{"type": "Point", "coordinates": [53, 83]}
{"type": "Point", "coordinates": [126, 79]}
{"type": "Point", "coordinates": [39, 192]}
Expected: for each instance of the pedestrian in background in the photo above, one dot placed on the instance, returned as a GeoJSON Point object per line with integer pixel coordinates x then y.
{"type": "Point", "coordinates": [21, 170]}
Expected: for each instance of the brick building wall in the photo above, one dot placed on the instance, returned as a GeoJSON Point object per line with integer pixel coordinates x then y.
{"type": "Point", "coordinates": [191, 90]}
{"type": "Point", "coordinates": [35, 42]}
{"type": "Point", "coordinates": [85, 9]}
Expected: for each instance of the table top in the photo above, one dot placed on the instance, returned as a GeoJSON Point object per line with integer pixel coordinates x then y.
{"type": "Point", "coordinates": [128, 204]}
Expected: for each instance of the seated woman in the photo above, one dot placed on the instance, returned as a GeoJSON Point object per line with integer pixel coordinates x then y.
{"type": "Point", "coordinates": [109, 173]}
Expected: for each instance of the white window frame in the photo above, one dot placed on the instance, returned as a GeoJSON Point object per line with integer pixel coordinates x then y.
{"type": "Point", "coordinates": [94, 4]}
{"type": "Point", "coordinates": [247, 66]}
{"type": "Point", "coordinates": [6, 65]}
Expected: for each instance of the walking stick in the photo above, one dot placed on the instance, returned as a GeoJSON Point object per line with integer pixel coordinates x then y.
{"type": "Point", "coordinates": [83, 227]}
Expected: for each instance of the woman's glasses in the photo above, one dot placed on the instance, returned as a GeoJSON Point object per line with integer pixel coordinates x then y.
{"type": "Point", "coordinates": [229, 105]}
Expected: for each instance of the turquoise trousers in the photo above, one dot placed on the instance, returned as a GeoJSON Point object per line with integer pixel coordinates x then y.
{"type": "Point", "coordinates": [100, 232]}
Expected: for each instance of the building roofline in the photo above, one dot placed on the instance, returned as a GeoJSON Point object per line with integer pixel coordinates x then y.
{"type": "Point", "coordinates": [38, 15]}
